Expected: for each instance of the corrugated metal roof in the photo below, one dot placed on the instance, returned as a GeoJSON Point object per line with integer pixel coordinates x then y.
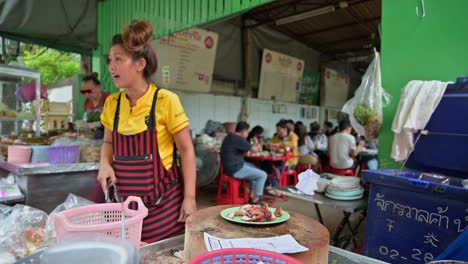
{"type": "Point", "coordinates": [352, 27]}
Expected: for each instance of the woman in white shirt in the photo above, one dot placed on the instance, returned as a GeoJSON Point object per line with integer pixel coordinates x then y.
{"type": "Point", "coordinates": [306, 147]}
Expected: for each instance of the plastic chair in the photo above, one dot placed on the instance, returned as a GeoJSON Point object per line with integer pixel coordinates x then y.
{"type": "Point", "coordinates": [235, 191]}
{"type": "Point", "coordinates": [303, 167]}
{"type": "Point", "coordinates": [289, 177]}
{"type": "Point", "coordinates": [342, 172]}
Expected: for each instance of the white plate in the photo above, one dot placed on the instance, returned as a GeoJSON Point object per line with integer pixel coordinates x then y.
{"type": "Point", "coordinates": [345, 182]}
{"type": "Point", "coordinates": [343, 198]}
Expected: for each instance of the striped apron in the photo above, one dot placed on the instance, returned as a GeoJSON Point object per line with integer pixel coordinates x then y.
{"type": "Point", "coordinates": [140, 172]}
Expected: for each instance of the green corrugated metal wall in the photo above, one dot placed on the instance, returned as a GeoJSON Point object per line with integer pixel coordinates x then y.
{"type": "Point", "coordinates": [166, 16]}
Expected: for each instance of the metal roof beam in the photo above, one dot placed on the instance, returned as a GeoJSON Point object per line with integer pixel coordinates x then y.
{"type": "Point", "coordinates": [370, 20]}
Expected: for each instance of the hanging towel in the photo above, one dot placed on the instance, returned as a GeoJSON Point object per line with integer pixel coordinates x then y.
{"type": "Point", "coordinates": [417, 103]}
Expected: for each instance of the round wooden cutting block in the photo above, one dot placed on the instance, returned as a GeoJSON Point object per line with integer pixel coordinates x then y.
{"type": "Point", "coordinates": [307, 232]}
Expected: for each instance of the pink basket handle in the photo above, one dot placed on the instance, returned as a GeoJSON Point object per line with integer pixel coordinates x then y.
{"type": "Point", "coordinates": [141, 206]}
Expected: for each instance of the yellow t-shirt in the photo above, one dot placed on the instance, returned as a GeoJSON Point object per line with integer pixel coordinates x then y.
{"type": "Point", "coordinates": [170, 118]}
{"type": "Point", "coordinates": [292, 142]}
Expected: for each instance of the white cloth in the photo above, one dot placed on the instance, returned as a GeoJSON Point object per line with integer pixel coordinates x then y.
{"type": "Point", "coordinates": [340, 146]}
{"type": "Point", "coordinates": [307, 148]}
{"type": "Point", "coordinates": [321, 142]}
{"type": "Point", "coordinates": [417, 103]}
{"type": "Point", "coordinates": [307, 182]}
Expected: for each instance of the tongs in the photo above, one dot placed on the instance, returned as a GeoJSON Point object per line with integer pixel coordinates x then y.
{"type": "Point", "coordinates": [118, 199]}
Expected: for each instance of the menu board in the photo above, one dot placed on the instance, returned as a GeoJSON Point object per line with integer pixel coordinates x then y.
{"type": "Point", "coordinates": [186, 60]}
{"type": "Point", "coordinates": [335, 88]}
{"type": "Point", "coordinates": [280, 76]}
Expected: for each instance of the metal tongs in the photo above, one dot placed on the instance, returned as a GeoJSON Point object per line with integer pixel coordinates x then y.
{"type": "Point", "coordinates": [118, 199]}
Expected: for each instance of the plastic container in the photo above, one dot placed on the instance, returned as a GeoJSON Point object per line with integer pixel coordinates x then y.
{"type": "Point", "coordinates": [63, 154]}
{"type": "Point", "coordinates": [103, 219]}
{"type": "Point", "coordinates": [243, 255]}
{"type": "Point", "coordinates": [18, 154]}
{"type": "Point", "coordinates": [93, 252]}
{"type": "Point", "coordinates": [39, 154]}
{"type": "Point", "coordinates": [414, 215]}
{"type": "Point", "coordinates": [412, 220]}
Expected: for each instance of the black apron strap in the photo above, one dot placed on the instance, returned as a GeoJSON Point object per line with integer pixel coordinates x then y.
{"type": "Point", "coordinates": [151, 122]}
{"type": "Point", "coordinates": [117, 113]}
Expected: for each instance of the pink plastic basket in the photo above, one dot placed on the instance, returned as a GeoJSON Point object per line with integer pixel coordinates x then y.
{"type": "Point", "coordinates": [243, 255]}
{"type": "Point", "coordinates": [103, 219]}
{"type": "Point", "coordinates": [63, 154]}
{"type": "Point", "coordinates": [18, 154]}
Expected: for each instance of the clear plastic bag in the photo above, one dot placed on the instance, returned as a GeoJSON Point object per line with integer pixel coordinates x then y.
{"type": "Point", "coordinates": [365, 108]}
{"type": "Point", "coordinates": [22, 231]}
{"type": "Point", "coordinates": [72, 201]}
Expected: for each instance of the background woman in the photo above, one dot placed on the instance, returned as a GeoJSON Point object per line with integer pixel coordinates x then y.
{"type": "Point", "coordinates": [306, 150]}
{"type": "Point", "coordinates": [93, 103]}
{"type": "Point", "coordinates": [142, 124]}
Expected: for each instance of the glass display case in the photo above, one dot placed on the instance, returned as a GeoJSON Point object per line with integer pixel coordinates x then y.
{"type": "Point", "coordinates": [12, 114]}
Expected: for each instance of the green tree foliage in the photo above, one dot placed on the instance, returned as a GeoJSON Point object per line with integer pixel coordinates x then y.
{"type": "Point", "coordinates": [54, 65]}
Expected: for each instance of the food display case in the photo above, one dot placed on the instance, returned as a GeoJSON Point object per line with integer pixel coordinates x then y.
{"type": "Point", "coordinates": [11, 79]}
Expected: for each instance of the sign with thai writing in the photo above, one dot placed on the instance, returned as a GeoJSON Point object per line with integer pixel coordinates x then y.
{"type": "Point", "coordinates": [280, 76]}
{"type": "Point", "coordinates": [411, 227]}
{"type": "Point", "coordinates": [186, 60]}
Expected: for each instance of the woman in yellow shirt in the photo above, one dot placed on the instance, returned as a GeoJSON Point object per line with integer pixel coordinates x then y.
{"type": "Point", "coordinates": [284, 138]}
{"type": "Point", "coordinates": [143, 126]}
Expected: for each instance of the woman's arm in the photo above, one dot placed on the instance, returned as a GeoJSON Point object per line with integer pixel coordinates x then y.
{"type": "Point", "coordinates": [105, 168]}
{"type": "Point", "coordinates": [184, 144]}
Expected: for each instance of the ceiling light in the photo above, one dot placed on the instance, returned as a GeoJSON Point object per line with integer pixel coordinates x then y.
{"type": "Point", "coordinates": [308, 14]}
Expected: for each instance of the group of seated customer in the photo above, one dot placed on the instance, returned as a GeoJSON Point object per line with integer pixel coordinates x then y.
{"type": "Point", "coordinates": [340, 148]}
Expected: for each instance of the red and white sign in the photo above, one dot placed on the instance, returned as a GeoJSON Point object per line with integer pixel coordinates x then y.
{"type": "Point", "coordinates": [191, 57]}
{"type": "Point", "coordinates": [280, 76]}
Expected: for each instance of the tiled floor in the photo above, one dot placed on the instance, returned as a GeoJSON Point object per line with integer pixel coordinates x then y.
{"type": "Point", "coordinates": [207, 197]}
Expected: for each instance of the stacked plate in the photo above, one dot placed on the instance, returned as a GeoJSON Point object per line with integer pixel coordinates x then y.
{"type": "Point", "coordinates": [345, 188]}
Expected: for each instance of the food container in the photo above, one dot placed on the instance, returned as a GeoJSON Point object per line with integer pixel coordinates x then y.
{"type": "Point", "coordinates": [39, 154]}
{"type": "Point", "coordinates": [18, 154]}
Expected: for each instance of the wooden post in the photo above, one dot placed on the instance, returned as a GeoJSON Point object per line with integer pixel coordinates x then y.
{"type": "Point", "coordinates": [247, 49]}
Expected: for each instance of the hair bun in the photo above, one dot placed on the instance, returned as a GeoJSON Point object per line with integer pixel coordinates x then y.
{"type": "Point", "coordinates": [137, 35]}
{"type": "Point", "coordinates": [92, 75]}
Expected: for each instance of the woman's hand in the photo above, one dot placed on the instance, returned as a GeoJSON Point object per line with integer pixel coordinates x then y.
{"type": "Point", "coordinates": [106, 172]}
{"type": "Point", "coordinates": [189, 206]}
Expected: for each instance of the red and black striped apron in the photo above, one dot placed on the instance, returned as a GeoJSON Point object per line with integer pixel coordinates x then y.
{"type": "Point", "coordinates": [140, 172]}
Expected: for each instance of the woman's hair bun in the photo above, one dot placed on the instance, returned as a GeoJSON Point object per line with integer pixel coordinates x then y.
{"type": "Point", "coordinates": [136, 35]}
{"type": "Point", "coordinates": [92, 77]}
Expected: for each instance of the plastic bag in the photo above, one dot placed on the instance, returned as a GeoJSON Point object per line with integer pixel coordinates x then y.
{"type": "Point", "coordinates": [23, 230]}
{"type": "Point", "coordinates": [365, 108]}
{"type": "Point", "coordinates": [72, 201]}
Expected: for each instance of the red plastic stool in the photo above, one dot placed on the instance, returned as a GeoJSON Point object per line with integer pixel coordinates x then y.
{"type": "Point", "coordinates": [235, 190]}
{"type": "Point", "coordinates": [342, 172]}
{"type": "Point", "coordinates": [303, 167]}
{"type": "Point", "coordinates": [289, 177]}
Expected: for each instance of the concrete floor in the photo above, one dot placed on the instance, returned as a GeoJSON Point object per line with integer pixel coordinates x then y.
{"type": "Point", "coordinates": [207, 197]}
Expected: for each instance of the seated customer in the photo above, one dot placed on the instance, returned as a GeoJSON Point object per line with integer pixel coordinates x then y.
{"type": "Point", "coordinates": [320, 142]}
{"type": "Point", "coordinates": [342, 147]}
{"type": "Point", "coordinates": [256, 135]}
{"type": "Point", "coordinates": [232, 158]}
{"type": "Point", "coordinates": [284, 138]}
{"type": "Point", "coordinates": [306, 150]}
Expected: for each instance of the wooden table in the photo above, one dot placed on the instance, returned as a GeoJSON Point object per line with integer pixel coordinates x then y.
{"type": "Point", "coordinates": [307, 232]}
